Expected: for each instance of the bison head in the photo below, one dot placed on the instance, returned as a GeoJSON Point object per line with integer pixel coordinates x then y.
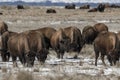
{"type": "Point", "coordinates": [64, 44]}
{"type": "Point", "coordinates": [30, 57]}
{"type": "Point", "coordinates": [42, 55]}
{"type": "Point", "coordinates": [114, 56]}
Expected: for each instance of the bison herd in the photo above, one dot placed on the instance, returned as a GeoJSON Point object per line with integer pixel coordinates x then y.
{"type": "Point", "coordinates": [100, 7]}
{"type": "Point", "coordinates": [32, 44]}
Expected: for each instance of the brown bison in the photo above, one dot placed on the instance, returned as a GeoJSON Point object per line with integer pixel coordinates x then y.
{"type": "Point", "coordinates": [1, 13]}
{"type": "Point", "coordinates": [114, 6]}
{"type": "Point", "coordinates": [76, 41]}
{"type": "Point", "coordinates": [70, 6]}
{"type": "Point", "coordinates": [85, 7]}
{"type": "Point", "coordinates": [18, 46]}
{"type": "Point", "coordinates": [60, 42]}
{"type": "Point", "coordinates": [4, 46]}
{"type": "Point", "coordinates": [101, 7]}
{"type": "Point", "coordinates": [107, 43]}
{"type": "Point", "coordinates": [89, 33]}
{"type": "Point", "coordinates": [3, 27]}
{"type": "Point", "coordinates": [93, 10]}
{"type": "Point", "coordinates": [47, 33]}
{"type": "Point", "coordinates": [20, 7]}
{"type": "Point", "coordinates": [27, 45]}
{"type": "Point", "coordinates": [37, 44]}
{"type": "Point", "coordinates": [51, 11]}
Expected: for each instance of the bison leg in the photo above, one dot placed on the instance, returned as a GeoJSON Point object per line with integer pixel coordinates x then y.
{"type": "Point", "coordinates": [61, 55]}
{"type": "Point", "coordinates": [58, 55]}
{"type": "Point", "coordinates": [114, 61]}
{"type": "Point", "coordinates": [102, 58]}
{"type": "Point", "coordinates": [14, 61]}
{"type": "Point", "coordinates": [109, 59]}
{"type": "Point", "coordinates": [22, 60]}
{"type": "Point", "coordinates": [96, 57]}
{"type": "Point", "coordinates": [8, 56]}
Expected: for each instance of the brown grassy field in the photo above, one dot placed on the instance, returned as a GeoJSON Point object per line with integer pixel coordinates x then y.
{"type": "Point", "coordinates": [34, 17]}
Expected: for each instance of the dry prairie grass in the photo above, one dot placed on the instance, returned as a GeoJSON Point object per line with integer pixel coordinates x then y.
{"type": "Point", "coordinates": [23, 75]}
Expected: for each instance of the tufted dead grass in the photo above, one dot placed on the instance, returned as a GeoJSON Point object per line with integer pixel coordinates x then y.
{"type": "Point", "coordinates": [4, 69]}
{"type": "Point", "coordinates": [23, 75]}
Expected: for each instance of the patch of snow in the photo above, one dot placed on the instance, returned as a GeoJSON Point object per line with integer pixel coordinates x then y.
{"type": "Point", "coordinates": [55, 22]}
{"type": "Point", "coordinates": [105, 21]}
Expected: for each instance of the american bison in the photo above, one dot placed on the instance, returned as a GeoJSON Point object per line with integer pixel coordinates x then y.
{"type": "Point", "coordinates": [60, 42]}
{"type": "Point", "coordinates": [114, 6]}
{"type": "Point", "coordinates": [101, 7]}
{"type": "Point", "coordinates": [20, 7]}
{"type": "Point", "coordinates": [76, 41]}
{"type": "Point", "coordinates": [1, 13]}
{"type": "Point", "coordinates": [70, 6]}
{"type": "Point", "coordinates": [107, 43]}
{"type": "Point", "coordinates": [37, 45]}
{"type": "Point", "coordinates": [3, 27]}
{"type": "Point", "coordinates": [51, 11]}
{"type": "Point", "coordinates": [85, 7]}
{"type": "Point", "coordinates": [93, 10]}
{"type": "Point", "coordinates": [27, 45]}
{"type": "Point", "coordinates": [4, 46]}
{"type": "Point", "coordinates": [18, 46]}
{"type": "Point", "coordinates": [89, 33]}
{"type": "Point", "coordinates": [47, 33]}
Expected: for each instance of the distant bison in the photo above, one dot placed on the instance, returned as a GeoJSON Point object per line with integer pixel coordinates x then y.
{"type": "Point", "coordinates": [47, 33]}
{"type": "Point", "coordinates": [93, 10]}
{"type": "Point", "coordinates": [1, 13]}
{"type": "Point", "coordinates": [20, 7]}
{"type": "Point", "coordinates": [107, 5]}
{"type": "Point", "coordinates": [101, 7]}
{"type": "Point", "coordinates": [107, 43]}
{"type": "Point", "coordinates": [51, 11]}
{"type": "Point", "coordinates": [89, 33]}
{"type": "Point", "coordinates": [76, 41]}
{"type": "Point", "coordinates": [60, 42]}
{"type": "Point", "coordinates": [115, 6]}
{"type": "Point", "coordinates": [70, 6]}
{"type": "Point", "coordinates": [3, 27]}
{"type": "Point", "coordinates": [85, 7]}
